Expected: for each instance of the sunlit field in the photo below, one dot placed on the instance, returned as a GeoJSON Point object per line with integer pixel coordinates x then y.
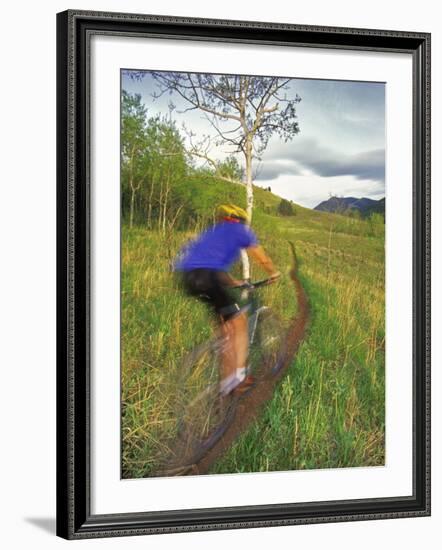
{"type": "Point", "coordinates": [328, 410]}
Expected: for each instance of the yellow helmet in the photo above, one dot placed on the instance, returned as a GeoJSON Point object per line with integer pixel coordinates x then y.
{"type": "Point", "coordinates": [232, 211]}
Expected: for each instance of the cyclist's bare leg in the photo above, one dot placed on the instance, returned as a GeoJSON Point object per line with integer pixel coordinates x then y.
{"type": "Point", "coordinates": [241, 344]}
{"type": "Point", "coordinates": [234, 353]}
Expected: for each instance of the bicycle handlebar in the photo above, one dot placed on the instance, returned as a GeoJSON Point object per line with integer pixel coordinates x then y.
{"type": "Point", "coordinates": [257, 284]}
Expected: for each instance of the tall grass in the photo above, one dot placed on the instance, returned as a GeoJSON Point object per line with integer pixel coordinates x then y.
{"type": "Point", "coordinates": [328, 411]}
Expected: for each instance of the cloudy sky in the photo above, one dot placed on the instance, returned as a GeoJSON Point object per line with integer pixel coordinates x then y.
{"type": "Point", "coordinates": [340, 149]}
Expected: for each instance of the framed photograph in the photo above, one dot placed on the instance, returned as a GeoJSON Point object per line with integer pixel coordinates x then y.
{"type": "Point", "coordinates": [243, 274]}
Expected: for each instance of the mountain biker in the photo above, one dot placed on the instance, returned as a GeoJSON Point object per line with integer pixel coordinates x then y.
{"type": "Point", "coordinates": [204, 266]}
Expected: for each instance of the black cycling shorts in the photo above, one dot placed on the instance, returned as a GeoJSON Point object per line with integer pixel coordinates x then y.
{"type": "Point", "coordinates": [209, 286]}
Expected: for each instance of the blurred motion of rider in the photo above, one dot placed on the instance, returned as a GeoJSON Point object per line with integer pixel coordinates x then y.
{"type": "Point", "coordinates": [204, 264]}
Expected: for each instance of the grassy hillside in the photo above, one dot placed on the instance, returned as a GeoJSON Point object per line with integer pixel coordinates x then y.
{"type": "Point", "coordinates": [328, 411]}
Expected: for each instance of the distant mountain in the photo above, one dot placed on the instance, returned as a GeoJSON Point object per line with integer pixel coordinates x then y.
{"type": "Point", "coordinates": [348, 205]}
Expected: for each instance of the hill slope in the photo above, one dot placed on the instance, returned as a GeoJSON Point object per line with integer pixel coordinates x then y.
{"type": "Point", "coordinates": [199, 197]}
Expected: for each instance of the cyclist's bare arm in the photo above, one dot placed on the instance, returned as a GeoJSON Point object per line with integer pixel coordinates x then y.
{"type": "Point", "coordinates": [258, 254]}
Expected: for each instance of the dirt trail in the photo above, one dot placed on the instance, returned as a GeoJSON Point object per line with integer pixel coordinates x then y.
{"type": "Point", "coordinates": [251, 404]}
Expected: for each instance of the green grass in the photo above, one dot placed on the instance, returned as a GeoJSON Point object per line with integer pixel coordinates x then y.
{"type": "Point", "coordinates": [328, 411]}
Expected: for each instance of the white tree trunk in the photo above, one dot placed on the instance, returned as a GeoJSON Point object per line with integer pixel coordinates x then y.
{"type": "Point", "coordinates": [249, 205]}
{"type": "Point", "coordinates": [249, 180]}
{"type": "Point", "coordinates": [132, 205]}
{"type": "Point", "coordinates": [245, 265]}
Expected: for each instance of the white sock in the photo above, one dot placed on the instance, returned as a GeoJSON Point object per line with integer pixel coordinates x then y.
{"type": "Point", "coordinates": [241, 373]}
{"type": "Point", "coordinates": [228, 383]}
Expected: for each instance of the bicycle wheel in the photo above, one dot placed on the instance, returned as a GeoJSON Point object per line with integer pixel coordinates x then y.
{"type": "Point", "coordinates": [267, 351]}
{"type": "Point", "coordinates": [202, 415]}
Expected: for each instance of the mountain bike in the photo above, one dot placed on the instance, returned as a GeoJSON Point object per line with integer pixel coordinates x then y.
{"type": "Point", "coordinates": [203, 414]}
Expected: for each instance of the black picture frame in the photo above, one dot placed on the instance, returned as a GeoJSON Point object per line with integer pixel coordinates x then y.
{"type": "Point", "coordinates": [74, 518]}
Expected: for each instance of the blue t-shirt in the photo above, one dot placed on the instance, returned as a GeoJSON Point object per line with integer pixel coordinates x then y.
{"type": "Point", "coordinates": [216, 248]}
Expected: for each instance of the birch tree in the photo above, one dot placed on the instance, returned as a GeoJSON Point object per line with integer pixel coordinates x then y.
{"type": "Point", "coordinates": [243, 111]}
{"type": "Point", "coordinates": [133, 125]}
{"type": "Point", "coordinates": [153, 157]}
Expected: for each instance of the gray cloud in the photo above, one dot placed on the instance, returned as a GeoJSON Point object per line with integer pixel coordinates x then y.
{"type": "Point", "coordinates": [270, 170]}
{"type": "Point", "coordinates": [322, 161]}
{"type": "Point", "coordinates": [369, 165]}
